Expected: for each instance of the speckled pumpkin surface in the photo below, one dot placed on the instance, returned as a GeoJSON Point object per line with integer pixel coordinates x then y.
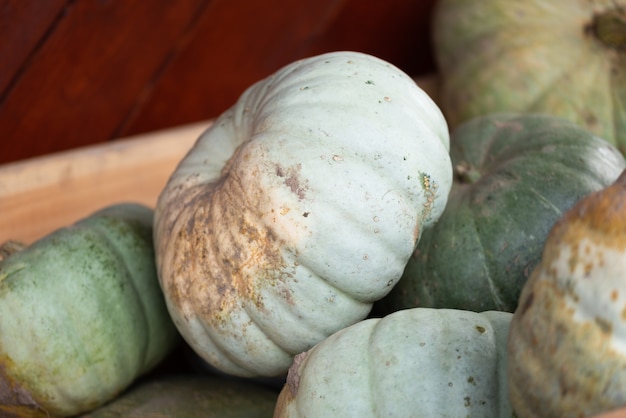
{"type": "Point", "coordinates": [419, 362]}
{"type": "Point", "coordinates": [562, 58]}
{"type": "Point", "coordinates": [81, 315]}
{"type": "Point", "coordinates": [299, 208]}
{"type": "Point", "coordinates": [567, 350]}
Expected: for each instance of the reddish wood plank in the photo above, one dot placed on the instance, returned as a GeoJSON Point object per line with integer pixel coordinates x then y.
{"type": "Point", "coordinates": [22, 25]}
{"type": "Point", "coordinates": [86, 77]}
{"type": "Point", "coordinates": [240, 42]}
{"type": "Point", "coordinates": [395, 30]}
{"type": "Point", "coordinates": [110, 69]}
{"type": "Point", "coordinates": [237, 43]}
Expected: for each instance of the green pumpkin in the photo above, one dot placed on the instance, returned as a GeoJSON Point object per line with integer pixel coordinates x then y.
{"type": "Point", "coordinates": [412, 363]}
{"type": "Point", "coordinates": [515, 174]}
{"type": "Point", "coordinates": [190, 396]}
{"type": "Point", "coordinates": [566, 59]}
{"type": "Point", "coordinates": [81, 315]}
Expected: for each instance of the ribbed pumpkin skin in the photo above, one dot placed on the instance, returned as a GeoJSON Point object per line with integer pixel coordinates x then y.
{"type": "Point", "coordinates": [567, 355]}
{"type": "Point", "coordinates": [532, 56]}
{"type": "Point", "coordinates": [416, 363]}
{"type": "Point", "coordinates": [81, 315]}
{"type": "Point", "coordinates": [515, 176]}
{"type": "Point", "coordinates": [299, 208]}
{"type": "Point", "coordinates": [190, 396]}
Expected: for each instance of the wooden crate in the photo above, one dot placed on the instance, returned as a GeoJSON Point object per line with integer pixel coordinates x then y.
{"type": "Point", "coordinates": [42, 194]}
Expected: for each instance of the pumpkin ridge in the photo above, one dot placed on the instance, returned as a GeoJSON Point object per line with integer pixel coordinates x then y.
{"type": "Point", "coordinates": [218, 340]}
{"type": "Point", "coordinates": [372, 378]}
{"type": "Point", "coordinates": [107, 240]}
{"type": "Point", "coordinates": [619, 106]}
{"type": "Point", "coordinates": [495, 295]}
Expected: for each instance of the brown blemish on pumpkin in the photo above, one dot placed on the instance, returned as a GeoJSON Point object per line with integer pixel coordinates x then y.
{"type": "Point", "coordinates": [430, 188]}
{"type": "Point", "coordinates": [292, 179]}
{"type": "Point", "coordinates": [10, 247]}
{"type": "Point", "coordinates": [480, 329]}
{"type": "Point", "coordinates": [614, 295]}
{"type": "Point", "coordinates": [604, 325]}
{"type": "Point", "coordinates": [219, 276]}
{"type": "Point", "coordinates": [292, 384]}
{"type": "Point", "coordinates": [293, 374]}
{"type": "Point", "coordinates": [15, 400]}
{"type": "Point", "coordinates": [599, 217]}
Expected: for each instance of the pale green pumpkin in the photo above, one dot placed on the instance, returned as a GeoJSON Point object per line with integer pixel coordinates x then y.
{"type": "Point", "coordinates": [562, 58]}
{"type": "Point", "coordinates": [419, 362]}
{"type": "Point", "coordinates": [81, 315]}
{"type": "Point", "coordinates": [298, 208]}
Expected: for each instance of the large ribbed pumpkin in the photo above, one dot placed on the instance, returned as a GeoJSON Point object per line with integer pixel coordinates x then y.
{"type": "Point", "coordinates": [298, 208]}
{"type": "Point", "coordinates": [563, 58]}
{"type": "Point", "coordinates": [515, 175]}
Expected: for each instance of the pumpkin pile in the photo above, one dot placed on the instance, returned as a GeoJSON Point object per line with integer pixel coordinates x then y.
{"type": "Point", "coordinates": [339, 243]}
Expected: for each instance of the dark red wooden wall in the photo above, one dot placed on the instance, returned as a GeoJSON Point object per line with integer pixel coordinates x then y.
{"type": "Point", "coordinates": [80, 72]}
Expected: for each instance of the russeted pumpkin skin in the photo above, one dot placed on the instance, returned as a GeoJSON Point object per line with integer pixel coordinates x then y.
{"type": "Point", "coordinates": [534, 56]}
{"type": "Point", "coordinates": [566, 344]}
{"type": "Point", "coordinates": [419, 362]}
{"type": "Point", "coordinates": [298, 208]}
{"type": "Point", "coordinates": [81, 315]}
{"type": "Point", "coordinates": [515, 175]}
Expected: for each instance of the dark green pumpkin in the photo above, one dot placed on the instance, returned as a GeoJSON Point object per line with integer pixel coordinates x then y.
{"type": "Point", "coordinates": [515, 176]}
{"type": "Point", "coordinates": [81, 315]}
{"type": "Point", "coordinates": [191, 396]}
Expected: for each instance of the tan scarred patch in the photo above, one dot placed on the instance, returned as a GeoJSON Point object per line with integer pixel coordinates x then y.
{"type": "Point", "coordinates": [225, 254]}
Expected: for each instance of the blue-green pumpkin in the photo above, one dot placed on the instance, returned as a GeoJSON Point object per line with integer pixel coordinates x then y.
{"type": "Point", "coordinates": [515, 175]}
{"type": "Point", "coordinates": [81, 314]}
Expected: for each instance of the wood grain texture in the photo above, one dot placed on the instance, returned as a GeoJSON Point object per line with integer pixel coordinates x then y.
{"type": "Point", "coordinates": [41, 194]}
{"type": "Point", "coordinates": [87, 76]}
{"type": "Point", "coordinates": [84, 72]}
{"type": "Point", "coordinates": [237, 43]}
{"type": "Point", "coordinates": [395, 30]}
{"type": "Point", "coordinates": [219, 68]}
{"type": "Point", "coordinates": [19, 41]}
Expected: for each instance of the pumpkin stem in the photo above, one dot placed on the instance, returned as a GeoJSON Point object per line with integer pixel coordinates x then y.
{"type": "Point", "coordinates": [10, 247]}
{"type": "Point", "coordinates": [610, 28]}
{"type": "Point", "coordinates": [465, 173]}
